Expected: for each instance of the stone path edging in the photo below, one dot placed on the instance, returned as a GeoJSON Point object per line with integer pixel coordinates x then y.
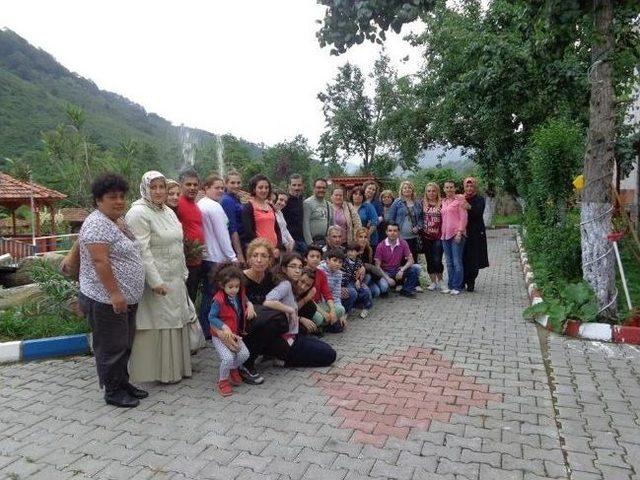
{"type": "Point", "coordinates": [588, 331]}
{"type": "Point", "coordinates": [26, 350]}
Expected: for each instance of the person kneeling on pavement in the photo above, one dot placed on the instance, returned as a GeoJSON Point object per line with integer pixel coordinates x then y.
{"type": "Point", "coordinates": [394, 257]}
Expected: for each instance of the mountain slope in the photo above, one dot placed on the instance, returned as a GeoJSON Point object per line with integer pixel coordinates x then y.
{"type": "Point", "coordinates": [35, 91]}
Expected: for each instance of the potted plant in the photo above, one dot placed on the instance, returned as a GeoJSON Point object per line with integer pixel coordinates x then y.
{"type": "Point", "coordinates": [576, 303]}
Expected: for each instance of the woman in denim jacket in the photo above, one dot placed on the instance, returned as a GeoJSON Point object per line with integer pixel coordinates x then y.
{"type": "Point", "coordinates": [406, 211]}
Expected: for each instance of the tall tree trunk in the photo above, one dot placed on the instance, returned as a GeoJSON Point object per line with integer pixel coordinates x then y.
{"type": "Point", "coordinates": [598, 262]}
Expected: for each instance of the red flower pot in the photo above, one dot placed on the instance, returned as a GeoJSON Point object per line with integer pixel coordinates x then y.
{"type": "Point", "coordinates": [572, 328]}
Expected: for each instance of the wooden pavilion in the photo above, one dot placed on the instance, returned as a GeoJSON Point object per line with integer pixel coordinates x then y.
{"type": "Point", "coordinates": [15, 193]}
{"type": "Point", "coordinates": [350, 182]}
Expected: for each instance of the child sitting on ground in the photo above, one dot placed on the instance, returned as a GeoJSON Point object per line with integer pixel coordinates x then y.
{"type": "Point", "coordinates": [358, 291]}
{"type": "Point", "coordinates": [329, 309]}
{"type": "Point", "coordinates": [230, 313]}
{"type": "Point", "coordinates": [310, 318]}
{"type": "Point", "coordinates": [332, 267]}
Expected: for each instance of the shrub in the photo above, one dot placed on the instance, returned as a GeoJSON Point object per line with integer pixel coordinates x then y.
{"type": "Point", "coordinates": [58, 290]}
{"type": "Point", "coordinates": [575, 301]}
{"type": "Point", "coordinates": [51, 314]}
{"type": "Point", "coordinates": [555, 153]}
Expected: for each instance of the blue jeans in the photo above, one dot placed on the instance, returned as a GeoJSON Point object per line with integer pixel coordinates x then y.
{"type": "Point", "coordinates": [410, 279]}
{"type": "Point", "coordinates": [455, 272]}
{"type": "Point", "coordinates": [361, 295]}
{"type": "Point", "coordinates": [379, 287]}
{"type": "Point", "coordinates": [207, 298]}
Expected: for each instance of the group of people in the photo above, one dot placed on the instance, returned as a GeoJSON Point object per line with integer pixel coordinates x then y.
{"type": "Point", "coordinates": [273, 273]}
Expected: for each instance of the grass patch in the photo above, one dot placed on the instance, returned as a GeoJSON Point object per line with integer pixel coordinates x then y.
{"type": "Point", "coordinates": [23, 323]}
{"type": "Point", "coordinates": [632, 273]}
{"type": "Point", "coordinates": [513, 219]}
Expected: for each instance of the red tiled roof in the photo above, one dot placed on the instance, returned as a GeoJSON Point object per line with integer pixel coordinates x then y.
{"type": "Point", "coordinates": [15, 192]}
{"type": "Point", "coordinates": [352, 181]}
{"type": "Point", "coordinates": [74, 214]}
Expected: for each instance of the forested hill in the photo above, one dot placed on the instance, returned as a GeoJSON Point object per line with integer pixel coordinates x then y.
{"type": "Point", "coordinates": [35, 92]}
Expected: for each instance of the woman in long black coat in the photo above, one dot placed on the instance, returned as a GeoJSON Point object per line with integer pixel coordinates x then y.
{"type": "Point", "coordinates": [475, 254]}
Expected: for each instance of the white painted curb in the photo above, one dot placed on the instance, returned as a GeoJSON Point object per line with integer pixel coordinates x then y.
{"type": "Point", "coordinates": [10, 352]}
{"type": "Point", "coordinates": [595, 331]}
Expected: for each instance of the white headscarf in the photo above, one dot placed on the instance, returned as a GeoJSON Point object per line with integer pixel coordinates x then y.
{"type": "Point", "coordinates": [145, 188]}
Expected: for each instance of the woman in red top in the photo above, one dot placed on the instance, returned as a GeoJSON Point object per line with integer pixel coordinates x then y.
{"type": "Point", "coordinates": [431, 234]}
{"type": "Point", "coordinates": [258, 215]}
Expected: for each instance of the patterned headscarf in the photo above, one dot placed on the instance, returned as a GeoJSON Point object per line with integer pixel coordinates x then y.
{"type": "Point", "coordinates": [473, 182]}
{"type": "Point", "coordinates": [145, 188]}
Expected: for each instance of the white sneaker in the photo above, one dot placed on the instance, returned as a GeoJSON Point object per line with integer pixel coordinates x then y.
{"type": "Point", "coordinates": [432, 286]}
{"type": "Point", "coordinates": [454, 292]}
{"type": "Point", "coordinates": [445, 290]}
{"type": "Point", "coordinates": [364, 313]}
{"type": "Point", "coordinates": [398, 288]}
{"type": "Point", "coordinates": [419, 289]}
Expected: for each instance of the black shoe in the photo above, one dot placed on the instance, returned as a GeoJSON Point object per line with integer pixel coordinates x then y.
{"type": "Point", "coordinates": [404, 293]}
{"type": "Point", "coordinates": [251, 376]}
{"type": "Point", "coordinates": [134, 391]}
{"type": "Point", "coordinates": [470, 287]}
{"type": "Point", "coordinates": [120, 398]}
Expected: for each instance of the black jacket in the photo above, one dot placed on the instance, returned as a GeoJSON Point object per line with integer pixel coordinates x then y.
{"type": "Point", "coordinates": [475, 249]}
{"type": "Point", "coordinates": [292, 212]}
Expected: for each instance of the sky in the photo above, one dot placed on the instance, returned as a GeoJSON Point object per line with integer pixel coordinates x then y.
{"type": "Point", "coordinates": [252, 68]}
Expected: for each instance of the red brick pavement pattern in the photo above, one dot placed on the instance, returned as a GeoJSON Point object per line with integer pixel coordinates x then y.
{"type": "Point", "coordinates": [386, 397]}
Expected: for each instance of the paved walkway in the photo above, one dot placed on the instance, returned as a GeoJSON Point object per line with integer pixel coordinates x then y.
{"type": "Point", "coordinates": [438, 387]}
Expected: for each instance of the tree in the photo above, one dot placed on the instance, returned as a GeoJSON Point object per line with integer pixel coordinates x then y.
{"type": "Point", "coordinates": [360, 125]}
{"type": "Point", "coordinates": [289, 157]}
{"type": "Point", "coordinates": [598, 263]}
{"type": "Point", "coordinates": [347, 23]}
{"type": "Point", "coordinates": [501, 73]}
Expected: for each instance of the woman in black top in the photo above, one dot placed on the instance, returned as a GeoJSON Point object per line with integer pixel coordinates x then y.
{"type": "Point", "coordinates": [264, 333]}
{"type": "Point", "coordinates": [475, 254]}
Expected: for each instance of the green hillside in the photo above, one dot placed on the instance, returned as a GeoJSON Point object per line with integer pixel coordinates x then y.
{"type": "Point", "coordinates": [35, 92]}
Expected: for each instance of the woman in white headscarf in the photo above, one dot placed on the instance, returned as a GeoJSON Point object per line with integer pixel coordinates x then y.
{"type": "Point", "coordinates": [161, 346]}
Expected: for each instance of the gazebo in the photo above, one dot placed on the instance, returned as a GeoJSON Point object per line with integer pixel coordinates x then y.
{"type": "Point", "coordinates": [15, 193]}
{"type": "Point", "coordinates": [350, 182]}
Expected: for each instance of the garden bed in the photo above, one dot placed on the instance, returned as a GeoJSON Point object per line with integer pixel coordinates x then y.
{"type": "Point", "coordinates": [627, 333]}
{"type": "Point", "coordinates": [18, 323]}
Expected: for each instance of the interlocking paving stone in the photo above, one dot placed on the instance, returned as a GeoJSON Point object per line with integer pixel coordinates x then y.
{"type": "Point", "coordinates": [440, 387]}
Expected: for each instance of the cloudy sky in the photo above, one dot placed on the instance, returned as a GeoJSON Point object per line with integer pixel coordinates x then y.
{"type": "Point", "coordinates": [252, 68]}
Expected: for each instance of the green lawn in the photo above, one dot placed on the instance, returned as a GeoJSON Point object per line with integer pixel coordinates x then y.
{"type": "Point", "coordinates": [18, 324]}
{"type": "Point", "coordinates": [514, 219]}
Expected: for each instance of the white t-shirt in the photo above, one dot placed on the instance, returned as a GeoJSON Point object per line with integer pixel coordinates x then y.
{"type": "Point", "coordinates": [215, 225]}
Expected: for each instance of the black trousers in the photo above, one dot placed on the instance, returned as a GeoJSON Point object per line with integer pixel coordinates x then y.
{"type": "Point", "coordinates": [264, 335]}
{"type": "Point", "coordinates": [470, 275]}
{"type": "Point", "coordinates": [196, 275]}
{"type": "Point", "coordinates": [112, 340]}
{"type": "Point", "coordinates": [413, 246]}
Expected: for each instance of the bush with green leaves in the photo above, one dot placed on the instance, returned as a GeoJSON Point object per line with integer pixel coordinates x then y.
{"type": "Point", "coordinates": [555, 152]}
{"type": "Point", "coordinates": [50, 314]}
{"type": "Point", "coordinates": [576, 301]}
{"type": "Point", "coordinates": [58, 290]}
